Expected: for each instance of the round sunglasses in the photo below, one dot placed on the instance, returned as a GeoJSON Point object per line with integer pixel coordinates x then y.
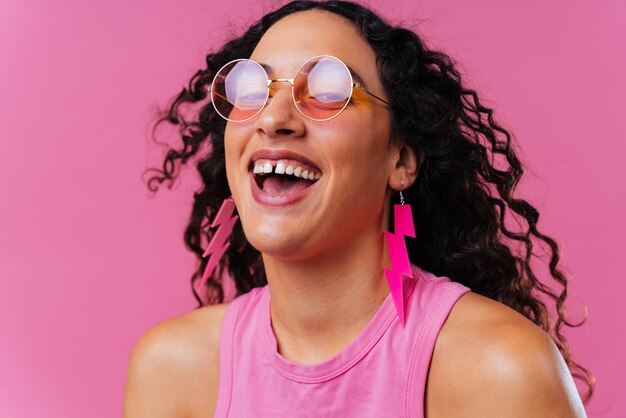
{"type": "Point", "coordinates": [321, 89]}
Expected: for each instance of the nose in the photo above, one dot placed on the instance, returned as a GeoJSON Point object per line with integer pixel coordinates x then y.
{"type": "Point", "coordinates": [280, 118]}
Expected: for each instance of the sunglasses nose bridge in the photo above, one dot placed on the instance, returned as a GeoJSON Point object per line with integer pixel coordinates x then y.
{"type": "Point", "coordinates": [278, 80]}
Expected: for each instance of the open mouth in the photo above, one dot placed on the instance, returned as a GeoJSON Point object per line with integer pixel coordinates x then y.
{"type": "Point", "coordinates": [284, 179]}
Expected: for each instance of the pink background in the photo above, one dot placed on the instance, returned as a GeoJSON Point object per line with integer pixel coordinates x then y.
{"type": "Point", "coordinates": [88, 261]}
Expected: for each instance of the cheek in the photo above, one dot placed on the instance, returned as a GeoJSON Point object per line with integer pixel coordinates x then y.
{"type": "Point", "coordinates": [233, 146]}
{"type": "Point", "coordinates": [361, 148]}
{"type": "Point", "coordinates": [361, 164]}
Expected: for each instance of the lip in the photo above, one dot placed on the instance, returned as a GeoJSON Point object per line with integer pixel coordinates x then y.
{"type": "Point", "coordinates": [280, 154]}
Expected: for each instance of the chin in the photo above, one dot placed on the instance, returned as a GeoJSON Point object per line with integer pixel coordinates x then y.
{"type": "Point", "coordinates": [276, 243]}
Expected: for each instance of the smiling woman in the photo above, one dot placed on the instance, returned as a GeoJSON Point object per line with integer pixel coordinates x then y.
{"type": "Point", "coordinates": [326, 127]}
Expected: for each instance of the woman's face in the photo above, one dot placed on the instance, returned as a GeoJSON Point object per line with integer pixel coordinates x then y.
{"type": "Point", "coordinates": [296, 219]}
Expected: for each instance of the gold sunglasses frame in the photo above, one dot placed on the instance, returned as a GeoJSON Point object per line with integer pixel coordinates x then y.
{"type": "Point", "coordinates": [354, 85]}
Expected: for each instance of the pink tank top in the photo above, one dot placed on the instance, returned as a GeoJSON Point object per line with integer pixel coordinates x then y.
{"type": "Point", "coordinates": [382, 373]}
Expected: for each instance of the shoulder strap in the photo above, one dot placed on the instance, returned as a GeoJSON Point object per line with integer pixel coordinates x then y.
{"type": "Point", "coordinates": [227, 333]}
{"type": "Point", "coordinates": [436, 298]}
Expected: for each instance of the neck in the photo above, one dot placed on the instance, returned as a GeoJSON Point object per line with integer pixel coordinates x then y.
{"type": "Point", "coordinates": [319, 305]}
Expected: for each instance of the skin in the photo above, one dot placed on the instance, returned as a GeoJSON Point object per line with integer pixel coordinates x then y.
{"type": "Point", "coordinates": [321, 249]}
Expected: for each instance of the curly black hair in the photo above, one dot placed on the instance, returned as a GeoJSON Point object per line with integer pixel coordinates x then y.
{"type": "Point", "coordinates": [460, 199]}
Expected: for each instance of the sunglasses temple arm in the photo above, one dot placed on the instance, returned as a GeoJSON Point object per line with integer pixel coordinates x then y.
{"type": "Point", "coordinates": [372, 94]}
{"type": "Point", "coordinates": [217, 94]}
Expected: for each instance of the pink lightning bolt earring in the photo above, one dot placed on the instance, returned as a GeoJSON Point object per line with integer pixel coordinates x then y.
{"type": "Point", "coordinates": [224, 221]}
{"type": "Point", "coordinates": [400, 265]}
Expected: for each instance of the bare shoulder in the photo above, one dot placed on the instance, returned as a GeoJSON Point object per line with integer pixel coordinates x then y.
{"type": "Point", "coordinates": [174, 367]}
{"type": "Point", "coordinates": [490, 360]}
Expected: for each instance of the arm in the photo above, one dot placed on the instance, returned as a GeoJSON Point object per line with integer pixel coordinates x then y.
{"type": "Point", "coordinates": [154, 378]}
{"type": "Point", "coordinates": [526, 377]}
{"type": "Point", "coordinates": [174, 367]}
{"type": "Point", "coordinates": [490, 361]}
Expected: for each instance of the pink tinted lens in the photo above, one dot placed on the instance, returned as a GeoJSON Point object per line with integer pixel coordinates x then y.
{"type": "Point", "coordinates": [322, 88]}
{"type": "Point", "coordinates": [239, 90]}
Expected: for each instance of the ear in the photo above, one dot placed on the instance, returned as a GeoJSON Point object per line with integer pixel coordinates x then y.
{"type": "Point", "coordinates": [407, 165]}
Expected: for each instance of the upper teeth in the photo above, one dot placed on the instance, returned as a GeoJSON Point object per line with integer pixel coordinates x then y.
{"type": "Point", "coordinates": [282, 167]}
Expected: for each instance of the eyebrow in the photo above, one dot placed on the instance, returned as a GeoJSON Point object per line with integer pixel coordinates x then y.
{"type": "Point", "coordinates": [357, 78]}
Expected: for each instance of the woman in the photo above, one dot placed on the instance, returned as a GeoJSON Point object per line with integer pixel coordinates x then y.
{"type": "Point", "coordinates": [362, 130]}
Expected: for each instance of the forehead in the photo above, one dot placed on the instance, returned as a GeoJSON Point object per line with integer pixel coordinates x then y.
{"type": "Point", "coordinates": [297, 37]}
